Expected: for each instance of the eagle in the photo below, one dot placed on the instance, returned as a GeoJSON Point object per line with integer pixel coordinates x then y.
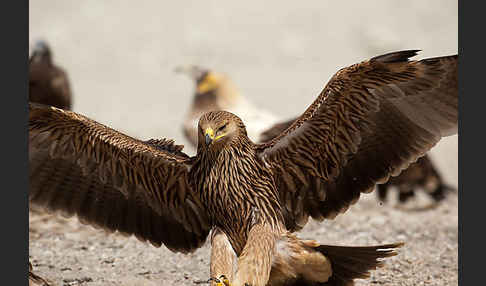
{"type": "Point", "coordinates": [48, 83]}
{"type": "Point", "coordinates": [216, 91]}
{"type": "Point", "coordinates": [371, 120]}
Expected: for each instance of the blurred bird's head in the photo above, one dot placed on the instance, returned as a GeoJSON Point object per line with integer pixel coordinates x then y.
{"type": "Point", "coordinates": [214, 91]}
{"type": "Point", "coordinates": [41, 53]}
{"type": "Point", "coordinates": [206, 80]}
{"type": "Point", "coordinates": [220, 129]}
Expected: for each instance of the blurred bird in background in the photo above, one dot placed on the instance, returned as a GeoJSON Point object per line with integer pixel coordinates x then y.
{"type": "Point", "coordinates": [215, 91]}
{"type": "Point", "coordinates": [420, 175]}
{"type": "Point", "coordinates": [48, 83]}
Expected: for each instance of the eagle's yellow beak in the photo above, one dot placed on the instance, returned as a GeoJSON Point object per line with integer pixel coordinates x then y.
{"type": "Point", "coordinates": [209, 135]}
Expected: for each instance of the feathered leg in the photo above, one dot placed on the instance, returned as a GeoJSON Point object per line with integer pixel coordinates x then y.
{"type": "Point", "coordinates": [223, 258]}
{"type": "Point", "coordinates": [255, 261]}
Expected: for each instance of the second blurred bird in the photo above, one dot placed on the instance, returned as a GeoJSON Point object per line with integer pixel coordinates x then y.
{"type": "Point", "coordinates": [215, 91]}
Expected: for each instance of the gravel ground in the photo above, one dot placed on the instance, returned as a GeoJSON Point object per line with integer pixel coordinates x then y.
{"type": "Point", "coordinates": [120, 58]}
{"type": "Point", "coordinates": [69, 253]}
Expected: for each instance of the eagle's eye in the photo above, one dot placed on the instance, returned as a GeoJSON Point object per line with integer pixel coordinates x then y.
{"type": "Point", "coordinates": [222, 128]}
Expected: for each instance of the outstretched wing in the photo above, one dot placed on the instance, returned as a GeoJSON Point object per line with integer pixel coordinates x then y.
{"type": "Point", "coordinates": [371, 121]}
{"type": "Point", "coordinates": [113, 181]}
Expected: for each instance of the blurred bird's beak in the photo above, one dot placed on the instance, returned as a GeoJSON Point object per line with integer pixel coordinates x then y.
{"type": "Point", "coordinates": [192, 71]}
{"type": "Point", "coordinates": [40, 46]}
{"type": "Point", "coordinates": [209, 135]}
{"type": "Point", "coordinates": [183, 69]}
{"type": "Point", "coordinates": [40, 52]}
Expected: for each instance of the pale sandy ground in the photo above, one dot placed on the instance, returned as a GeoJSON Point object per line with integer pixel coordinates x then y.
{"type": "Point", "coordinates": [120, 56]}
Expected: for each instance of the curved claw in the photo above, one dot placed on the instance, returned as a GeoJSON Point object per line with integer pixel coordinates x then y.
{"type": "Point", "coordinates": [225, 280]}
{"type": "Point", "coordinates": [221, 281]}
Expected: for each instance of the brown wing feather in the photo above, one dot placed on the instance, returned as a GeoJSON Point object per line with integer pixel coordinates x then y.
{"type": "Point", "coordinates": [275, 130]}
{"type": "Point", "coordinates": [110, 180]}
{"type": "Point", "coordinates": [371, 121]}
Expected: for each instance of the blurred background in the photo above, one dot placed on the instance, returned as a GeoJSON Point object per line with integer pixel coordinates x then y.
{"type": "Point", "coordinates": [120, 56]}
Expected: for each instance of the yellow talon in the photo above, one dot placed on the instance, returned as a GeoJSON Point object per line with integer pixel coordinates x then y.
{"type": "Point", "coordinates": [225, 280]}
{"type": "Point", "coordinates": [221, 281]}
